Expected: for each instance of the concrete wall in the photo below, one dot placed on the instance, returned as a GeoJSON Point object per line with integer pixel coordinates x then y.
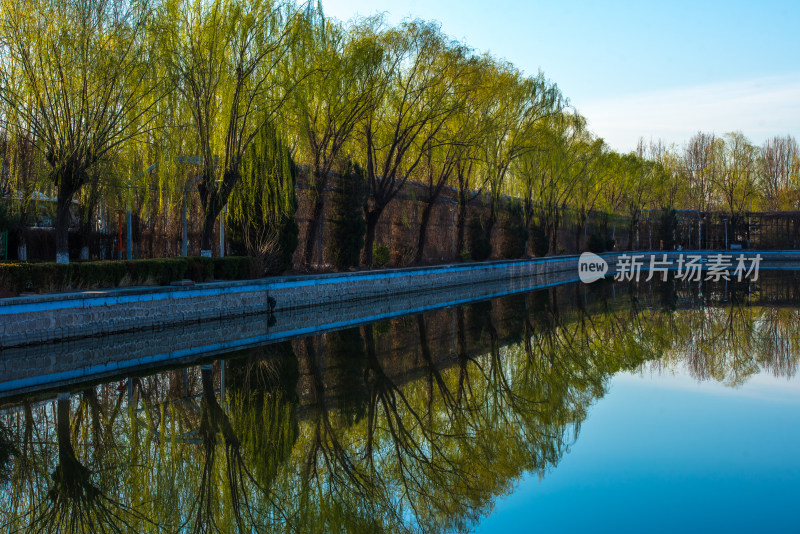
{"type": "Point", "coordinates": [57, 317]}
{"type": "Point", "coordinates": [44, 318]}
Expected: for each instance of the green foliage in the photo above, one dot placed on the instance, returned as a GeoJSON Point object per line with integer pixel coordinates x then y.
{"type": "Point", "coordinates": [161, 271]}
{"type": "Point", "coordinates": [308, 436]}
{"type": "Point", "coordinates": [262, 206]}
{"type": "Point", "coordinates": [380, 254]}
{"type": "Point", "coordinates": [225, 63]}
{"type": "Point", "coordinates": [347, 218]}
{"type": "Point", "coordinates": [232, 268]}
{"type": "Point", "coordinates": [263, 414]}
{"type": "Point", "coordinates": [45, 277]}
{"type": "Point", "coordinates": [234, 75]}
{"type": "Point", "coordinates": [96, 56]}
{"type": "Point", "coordinates": [481, 246]}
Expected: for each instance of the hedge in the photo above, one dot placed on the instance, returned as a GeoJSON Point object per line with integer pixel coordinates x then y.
{"type": "Point", "coordinates": [16, 278]}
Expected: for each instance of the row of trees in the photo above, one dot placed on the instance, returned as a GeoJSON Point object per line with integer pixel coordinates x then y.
{"type": "Point", "coordinates": [113, 101]}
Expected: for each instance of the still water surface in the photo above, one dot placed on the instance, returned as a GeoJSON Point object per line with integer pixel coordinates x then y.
{"type": "Point", "coordinates": [601, 408]}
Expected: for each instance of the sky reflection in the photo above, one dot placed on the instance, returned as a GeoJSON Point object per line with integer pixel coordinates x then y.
{"type": "Point", "coordinates": [667, 453]}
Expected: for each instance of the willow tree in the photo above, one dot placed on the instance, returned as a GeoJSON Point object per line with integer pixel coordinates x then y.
{"type": "Point", "coordinates": [520, 104]}
{"type": "Point", "coordinates": [330, 99]}
{"type": "Point", "coordinates": [24, 173]}
{"type": "Point", "coordinates": [445, 153]}
{"type": "Point", "coordinates": [420, 69]}
{"type": "Point", "coordinates": [550, 175]}
{"type": "Point", "coordinates": [228, 61]}
{"type": "Point", "coordinates": [469, 178]}
{"type": "Point", "coordinates": [76, 75]}
{"type": "Point", "coordinates": [736, 183]}
{"type": "Point", "coordinates": [263, 203]}
{"type": "Point", "coordinates": [699, 168]}
{"type": "Point", "coordinates": [640, 179]}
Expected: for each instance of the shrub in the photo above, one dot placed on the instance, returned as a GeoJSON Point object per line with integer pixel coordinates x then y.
{"type": "Point", "coordinates": [404, 255]}
{"type": "Point", "coordinates": [201, 269]}
{"type": "Point", "coordinates": [232, 268]}
{"type": "Point", "coordinates": [160, 271]}
{"type": "Point", "coordinates": [19, 278]}
{"type": "Point", "coordinates": [380, 254]}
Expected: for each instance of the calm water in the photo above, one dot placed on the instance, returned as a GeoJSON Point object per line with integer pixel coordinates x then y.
{"type": "Point", "coordinates": [600, 408]}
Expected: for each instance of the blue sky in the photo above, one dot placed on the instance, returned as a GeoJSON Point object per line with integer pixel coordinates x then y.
{"type": "Point", "coordinates": [658, 70]}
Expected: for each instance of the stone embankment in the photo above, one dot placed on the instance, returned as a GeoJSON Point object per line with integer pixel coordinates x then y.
{"type": "Point", "coordinates": [45, 318]}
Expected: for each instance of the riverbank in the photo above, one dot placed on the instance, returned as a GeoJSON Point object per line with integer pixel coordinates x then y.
{"type": "Point", "coordinates": [53, 317]}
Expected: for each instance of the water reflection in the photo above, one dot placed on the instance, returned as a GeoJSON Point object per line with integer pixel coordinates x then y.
{"type": "Point", "coordinates": [413, 424]}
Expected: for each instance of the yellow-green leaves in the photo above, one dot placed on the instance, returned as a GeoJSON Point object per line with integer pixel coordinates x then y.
{"type": "Point", "coordinates": [81, 84]}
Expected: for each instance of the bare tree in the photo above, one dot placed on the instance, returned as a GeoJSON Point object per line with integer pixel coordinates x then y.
{"type": "Point", "coordinates": [779, 171]}
{"type": "Point", "coordinates": [698, 165]}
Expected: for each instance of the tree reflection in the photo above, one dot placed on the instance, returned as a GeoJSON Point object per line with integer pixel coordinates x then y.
{"type": "Point", "coordinates": [74, 502]}
{"type": "Point", "coordinates": [412, 425]}
{"type": "Point", "coordinates": [215, 426]}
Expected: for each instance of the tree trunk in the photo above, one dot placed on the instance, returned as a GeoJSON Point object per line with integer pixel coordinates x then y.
{"type": "Point", "coordinates": [85, 234]}
{"type": "Point", "coordinates": [553, 239]}
{"type": "Point", "coordinates": [528, 218]}
{"type": "Point", "coordinates": [217, 418]}
{"type": "Point", "coordinates": [632, 232]}
{"type": "Point", "coordinates": [65, 193]}
{"type": "Point", "coordinates": [311, 233]}
{"type": "Point", "coordinates": [423, 229]}
{"type": "Point", "coordinates": [213, 200]}
{"type": "Point", "coordinates": [371, 217]}
{"type": "Point", "coordinates": [490, 222]}
{"type": "Point", "coordinates": [208, 232]}
{"type": "Point", "coordinates": [22, 248]}
{"type": "Point", "coordinates": [462, 217]}
{"type": "Point", "coordinates": [580, 232]}
{"type": "Point", "coordinates": [71, 479]}
{"type": "Point", "coordinates": [316, 215]}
